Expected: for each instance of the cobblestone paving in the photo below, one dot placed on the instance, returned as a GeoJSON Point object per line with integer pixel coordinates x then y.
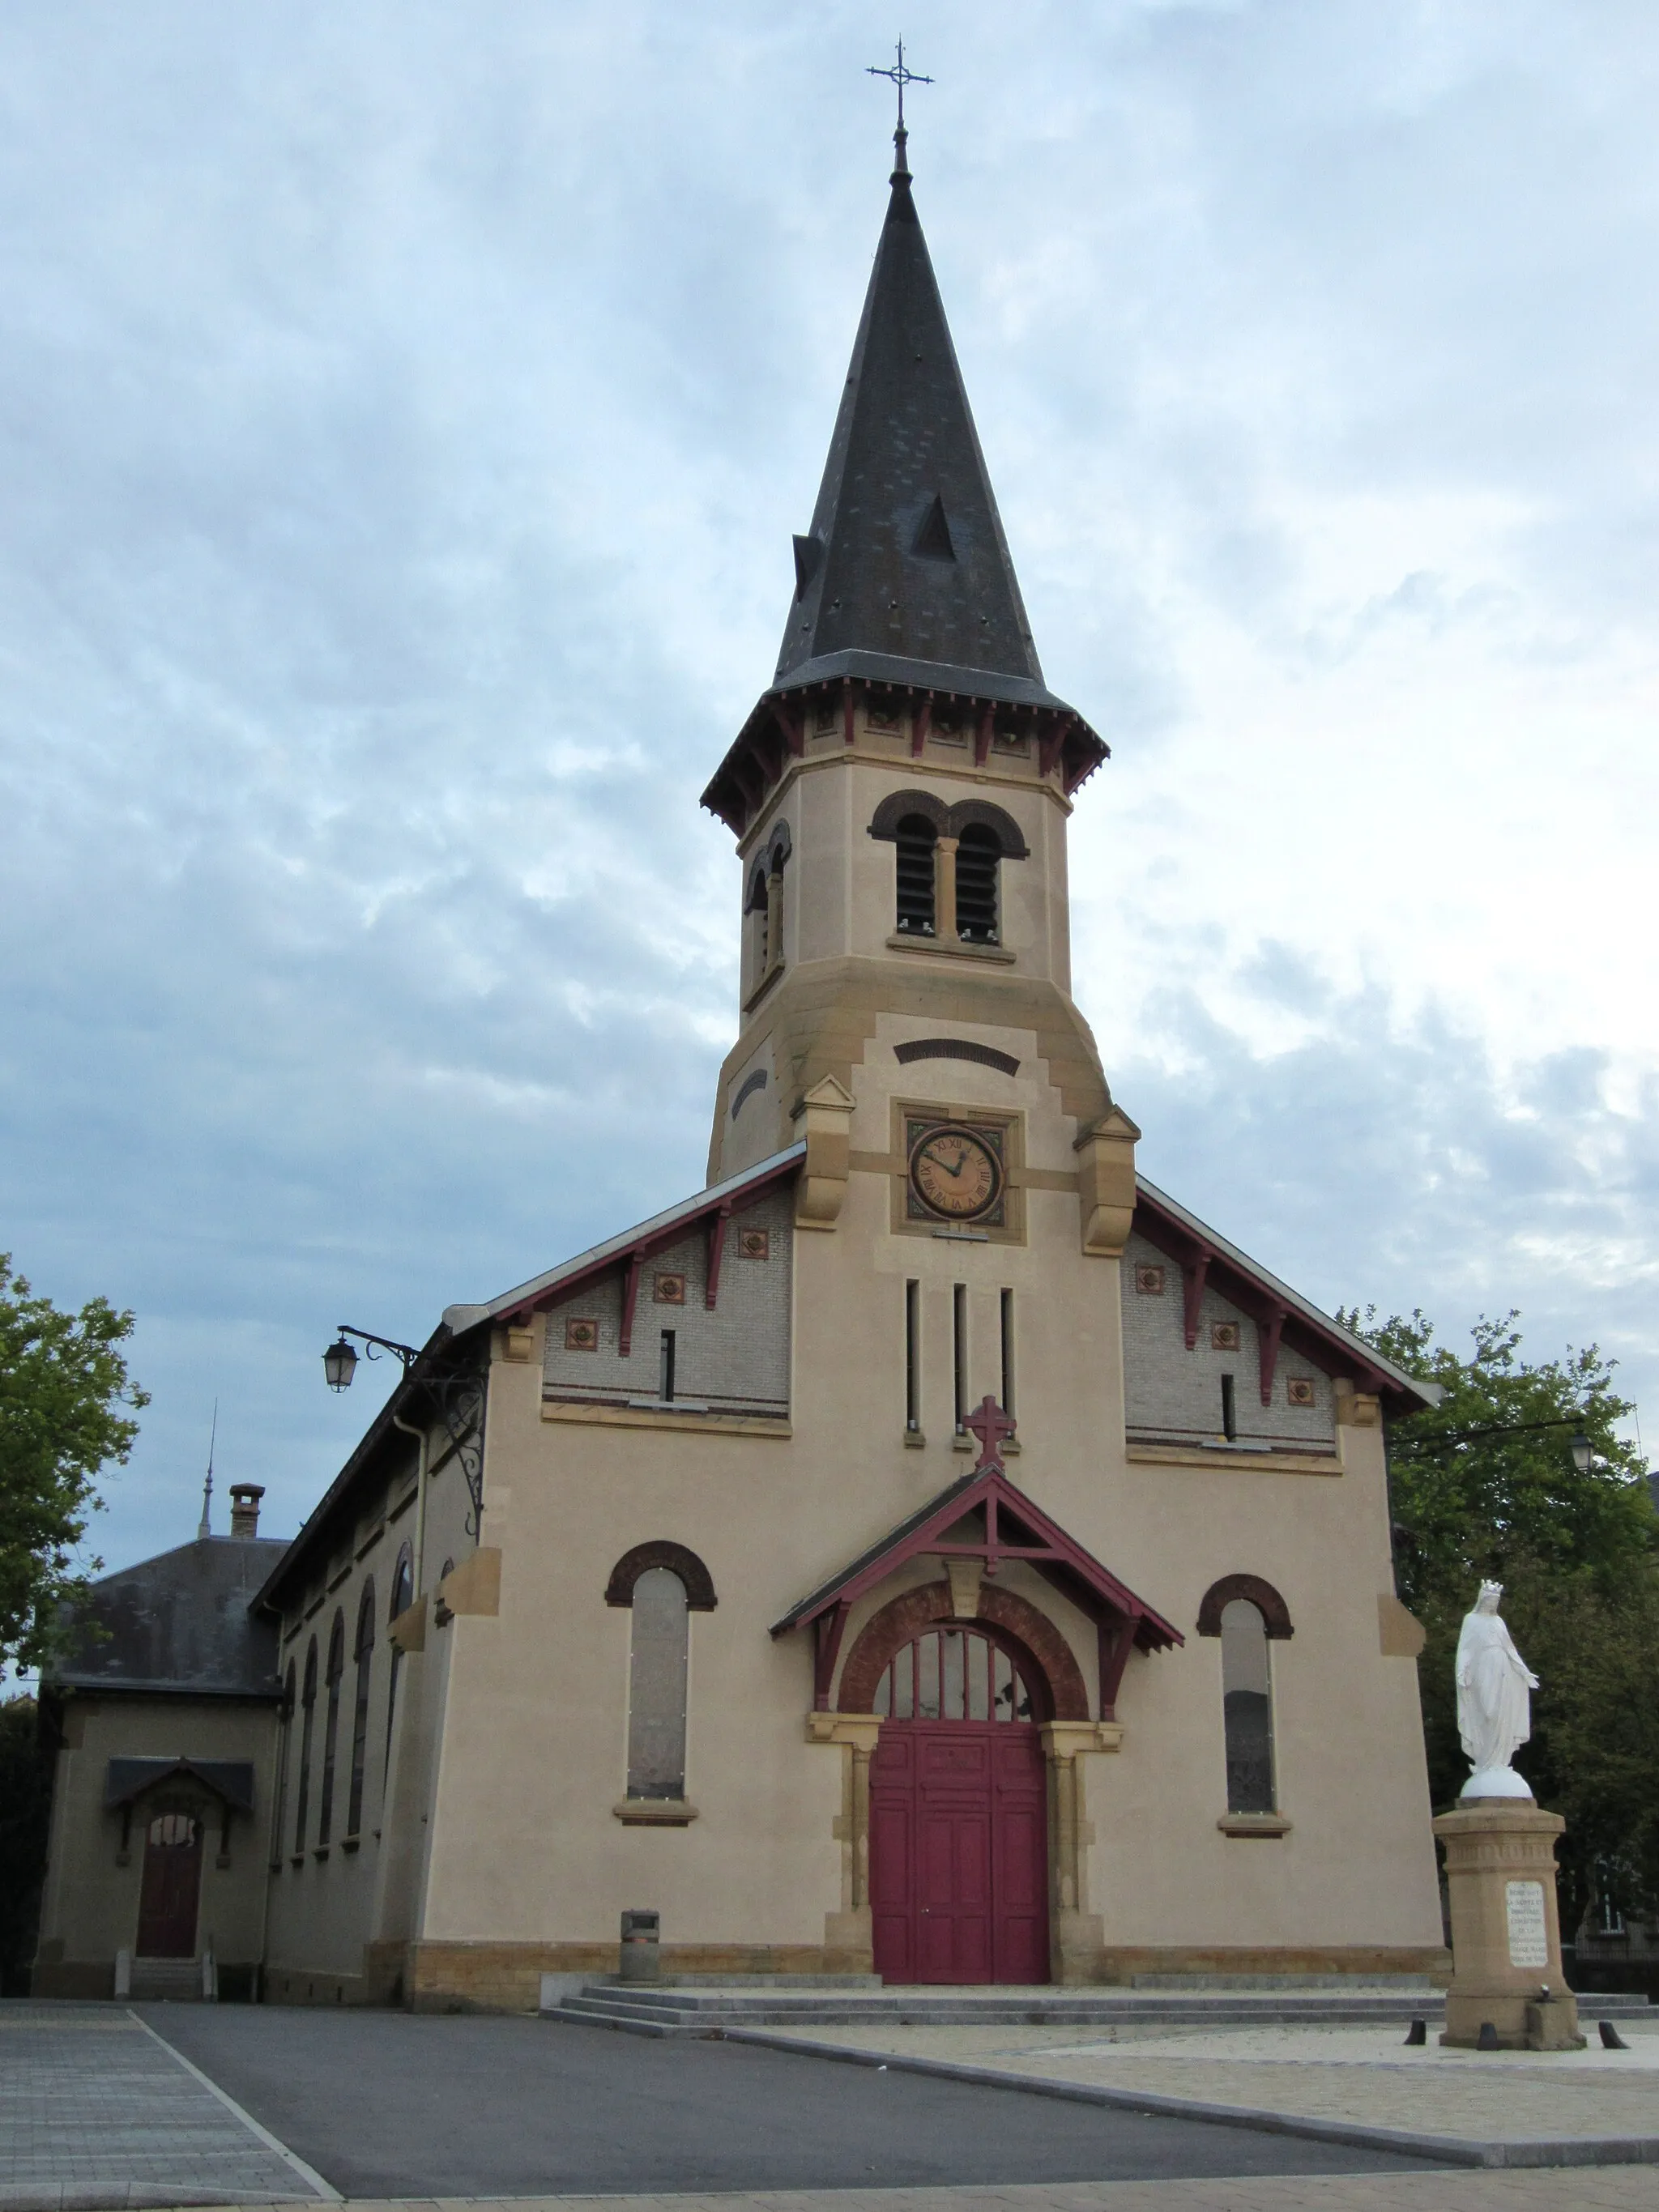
{"type": "Point", "coordinates": [1363, 2076]}
{"type": "Point", "coordinates": [94, 2112]}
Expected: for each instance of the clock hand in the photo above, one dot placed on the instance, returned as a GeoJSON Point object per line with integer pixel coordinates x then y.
{"type": "Point", "coordinates": [955, 1170]}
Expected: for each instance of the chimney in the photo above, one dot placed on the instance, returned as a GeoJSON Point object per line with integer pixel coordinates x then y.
{"type": "Point", "coordinates": [244, 1509]}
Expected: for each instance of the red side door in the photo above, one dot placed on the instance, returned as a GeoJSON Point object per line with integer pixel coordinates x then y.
{"type": "Point", "coordinates": [171, 1886]}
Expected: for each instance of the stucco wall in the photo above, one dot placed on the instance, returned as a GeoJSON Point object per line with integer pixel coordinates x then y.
{"type": "Point", "coordinates": [89, 1907]}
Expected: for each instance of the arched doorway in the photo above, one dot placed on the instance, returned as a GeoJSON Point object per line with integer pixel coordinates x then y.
{"type": "Point", "coordinates": [958, 1812]}
{"type": "Point", "coordinates": [171, 1888]}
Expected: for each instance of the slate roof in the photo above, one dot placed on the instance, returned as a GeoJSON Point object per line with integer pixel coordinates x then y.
{"type": "Point", "coordinates": [906, 559]}
{"type": "Point", "coordinates": [181, 1622]}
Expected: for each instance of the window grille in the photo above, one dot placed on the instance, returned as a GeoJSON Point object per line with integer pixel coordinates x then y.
{"type": "Point", "coordinates": [953, 1674]}
{"type": "Point", "coordinates": [977, 855]}
{"type": "Point", "coordinates": [915, 839]}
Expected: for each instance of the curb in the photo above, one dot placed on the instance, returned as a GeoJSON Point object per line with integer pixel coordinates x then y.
{"type": "Point", "coordinates": [1446, 2150]}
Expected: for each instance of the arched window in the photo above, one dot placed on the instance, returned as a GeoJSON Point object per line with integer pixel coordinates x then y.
{"type": "Point", "coordinates": [284, 1750]}
{"type": "Point", "coordinates": [332, 1732]}
{"type": "Point", "coordinates": [307, 1709]}
{"type": "Point", "coordinates": [656, 1687]}
{"type": "Point", "coordinates": [754, 908]}
{"type": "Point", "coordinates": [977, 855]}
{"type": "Point", "coordinates": [1247, 1707]}
{"type": "Point", "coordinates": [363, 1654]}
{"type": "Point", "coordinates": [952, 1675]}
{"type": "Point", "coordinates": [403, 1597]}
{"type": "Point", "coordinates": [915, 838]}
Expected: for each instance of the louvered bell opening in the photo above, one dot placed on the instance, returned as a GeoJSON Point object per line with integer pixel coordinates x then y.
{"type": "Point", "coordinates": [915, 840]}
{"type": "Point", "coordinates": [976, 886]}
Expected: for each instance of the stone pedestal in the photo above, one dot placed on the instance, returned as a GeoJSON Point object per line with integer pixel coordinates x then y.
{"type": "Point", "coordinates": [1506, 1938]}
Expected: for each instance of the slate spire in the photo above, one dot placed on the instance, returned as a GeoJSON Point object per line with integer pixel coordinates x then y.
{"type": "Point", "coordinates": [906, 561]}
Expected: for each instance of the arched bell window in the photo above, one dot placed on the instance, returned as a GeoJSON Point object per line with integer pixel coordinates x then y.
{"type": "Point", "coordinates": [332, 1730]}
{"type": "Point", "coordinates": [307, 1714]}
{"type": "Point", "coordinates": [978, 852]}
{"type": "Point", "coordinates": [363, 1653]}
{"type": "Point", "coordinates": [916, 839]}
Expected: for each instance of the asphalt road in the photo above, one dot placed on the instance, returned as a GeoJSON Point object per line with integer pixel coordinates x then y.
{"type": "Point", "coordinates": [391, 2104]}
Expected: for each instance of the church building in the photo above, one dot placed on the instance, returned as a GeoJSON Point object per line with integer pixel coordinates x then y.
{"type": "Point", "coordinates": [929, 1550]}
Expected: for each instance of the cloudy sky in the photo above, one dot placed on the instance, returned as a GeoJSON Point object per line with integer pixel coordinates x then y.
{"type": "Point", "coordinates": [403, 412]}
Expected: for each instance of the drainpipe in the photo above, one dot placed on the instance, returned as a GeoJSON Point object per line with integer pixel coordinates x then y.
{"type": "Point", "coordinates": [419, 1435]}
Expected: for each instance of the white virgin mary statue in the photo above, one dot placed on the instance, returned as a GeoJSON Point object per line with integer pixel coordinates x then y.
{"type": "Point", "coordinates": [1494, 1710]}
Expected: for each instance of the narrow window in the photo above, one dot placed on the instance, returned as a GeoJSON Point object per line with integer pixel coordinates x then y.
{"type": "Point", "coordinates": [977, 855]}
{"type": "Point", "coordinates": [755, 908]}
{"type": "Point", "coordinates": [1008, 1354]}
{"type": "Point", "coordinates": [403, 1597]}
{"type": "Point", "coordinates": [1247, 1708]}
{"type": "Point", "coordinates": [959, 1353]}
{"type": "Point", "coordinates": [364, 1656]}
{"type": "Point", "coordinates": [915, 838]}
{"type": "Point", "coordinates": [308, 1711]}
{"type": "Point", "coordinates": [665, 1368]}
{"type": "Point", "coordinates": [913, 1357]}
{"type": "Point", "coordinates": [656, 1687]}
{"type": "Point", "coordinates": [331, 1731]}
{"type": "Point", "coordinates": [284, 1752]}
{"type": "Point", "coordinates": [1229, 1410]}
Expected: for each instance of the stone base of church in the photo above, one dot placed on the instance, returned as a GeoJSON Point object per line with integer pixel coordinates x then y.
{"type": "Point", "coordinates": [506, 1977]}
{"type": "Point", "coordinates": [1363, 1961]}
{"type": "Point", "coordinates": [433, 1977]}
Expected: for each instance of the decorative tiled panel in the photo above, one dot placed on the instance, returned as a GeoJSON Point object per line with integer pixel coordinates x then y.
{"type": "Point", "coordinates": [733, 1359]}
{"type": "Point", "coordinates": [1174, 1395]}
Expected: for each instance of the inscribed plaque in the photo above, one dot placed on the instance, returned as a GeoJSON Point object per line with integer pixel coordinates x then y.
{"type": "Point", "coordinates": [1529, 1934]}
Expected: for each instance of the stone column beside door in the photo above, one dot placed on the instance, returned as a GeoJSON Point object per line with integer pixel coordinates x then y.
{"type": "Point", "coordinates": [1077, 1935]}
{"type": "Point", "coordinates": [848, 1937]}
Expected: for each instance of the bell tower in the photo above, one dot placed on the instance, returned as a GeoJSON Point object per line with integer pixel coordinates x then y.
{"type": "Point", "coordinates": [900, 792]}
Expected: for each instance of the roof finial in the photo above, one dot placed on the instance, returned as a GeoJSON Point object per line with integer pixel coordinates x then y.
{"type": "Point", "coordinates": [901, 77]}
{"type": "Point", "coordinates": [203, 1529]}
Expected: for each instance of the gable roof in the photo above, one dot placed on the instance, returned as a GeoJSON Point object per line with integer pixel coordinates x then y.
{"type": "Point", "coordinates": [1016, 1527]}
{"type": "Point", "coordinates": [180, 1622]}
{"type": "Point", "coordinates": [1205, 1256]}
{"type": "Point", "coordinates": [662, 1229]}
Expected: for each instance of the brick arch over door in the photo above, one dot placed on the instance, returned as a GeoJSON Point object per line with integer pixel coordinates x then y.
{"type": "Point", "coordinates": [1030, 1637]}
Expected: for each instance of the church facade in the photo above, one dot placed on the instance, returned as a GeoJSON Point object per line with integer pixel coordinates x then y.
{"type": "Point", "coordinates": [929, 1550]}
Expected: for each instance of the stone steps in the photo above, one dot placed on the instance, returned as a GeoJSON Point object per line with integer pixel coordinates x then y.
{"type": "Point", "coordinates": [662, 2010]}
{"type": "Point", "coordinates": [177, 1981]}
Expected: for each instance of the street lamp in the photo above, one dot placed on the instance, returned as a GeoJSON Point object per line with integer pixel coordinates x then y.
{"type": "Point", "coordinates": [339, 1364]}
{"type": "Point", "coordinates": [1579, 1445]}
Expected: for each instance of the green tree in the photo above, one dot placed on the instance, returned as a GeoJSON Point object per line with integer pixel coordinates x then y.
{"type": "Point", "coordinates": [1578, 1554]}
{"type": "Point", "coordinates": [66, 1402]}
{"type": "Point", "coordinates": [25, 1808]}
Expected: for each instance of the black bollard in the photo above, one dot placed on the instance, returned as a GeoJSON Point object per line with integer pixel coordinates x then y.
{"type": "Point", "coordinates": [1488, 2039]}
{"type": "Point", "coordinates": [1611, 2038]}
{"type": "Point", "coordinates": [1417, 2035]}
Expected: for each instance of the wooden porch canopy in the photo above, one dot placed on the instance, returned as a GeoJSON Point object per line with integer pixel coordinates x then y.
{"type": "Point", "coordinates": [982, 1517]}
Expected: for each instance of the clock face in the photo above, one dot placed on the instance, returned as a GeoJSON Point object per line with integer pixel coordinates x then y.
{"type": "Point", "coordinates": [955, 1172]}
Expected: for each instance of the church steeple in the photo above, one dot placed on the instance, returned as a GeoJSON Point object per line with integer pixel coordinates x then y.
{"type": "Point", "coordinates": [906, 561]}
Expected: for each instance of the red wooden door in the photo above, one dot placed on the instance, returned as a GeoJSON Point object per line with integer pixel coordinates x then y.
{"type": "Point", "coordinates": [172, 1884]}
{"type": "Point", "coordinates": [958, 1852]}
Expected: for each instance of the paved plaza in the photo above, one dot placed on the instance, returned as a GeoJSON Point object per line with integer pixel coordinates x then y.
{"type": "Point", "coordinates": [1364, 2083]}
{"type": "Point", "coordinates": [95, 2111]}
{"type": "Point", "coordinates": [241, 2105]}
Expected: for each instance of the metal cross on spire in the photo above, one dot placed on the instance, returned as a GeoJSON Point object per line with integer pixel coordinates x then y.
{"type": "Point", "coordinates": [900, 75]}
